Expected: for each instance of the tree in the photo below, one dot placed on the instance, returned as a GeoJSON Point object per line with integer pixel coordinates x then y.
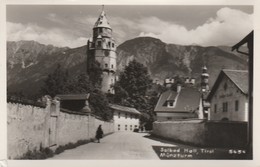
{"type": "Point", "coordinates": [55, 82]}
{"type": "Point", "coordinates": [178, 81]}
{"type": "Point", "coordinates": [135, 79]}
{"type": "Point", "coordinates": [79, 84]}
{"type": "Point", "coordinates": [99, 104]}
{"type": "Point", "coordinates": [132, 90]}
{"type": "Point", "coordinates": [95, 74]}
{"type": "Point", "coordinates": [60, 82]}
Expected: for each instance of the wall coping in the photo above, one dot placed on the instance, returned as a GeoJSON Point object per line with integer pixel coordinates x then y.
{"type": "Point", "coordinates": [26, 102]}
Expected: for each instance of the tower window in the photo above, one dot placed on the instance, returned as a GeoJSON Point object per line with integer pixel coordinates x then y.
{"type": "Point", "coordinates": [112, 66]}
{"type": "Point", "coordinates": [99, 43]}
{"type": "Point", "coordinates": [109, 44]}
{"type": "Point", "coordinates": [113, 45]}
{"type": "Point", "coordinates": [106, 65]}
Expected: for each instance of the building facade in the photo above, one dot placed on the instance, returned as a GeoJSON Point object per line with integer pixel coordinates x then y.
{"type": "Point", "coordinates": [101, 51]}
{"type": "Point", "coordinates": [229, 96]}
{"type": "Point", "coordinates": [125, 118]}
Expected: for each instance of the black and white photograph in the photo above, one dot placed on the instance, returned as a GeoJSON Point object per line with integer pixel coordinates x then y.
{"type": "Point", "coordinates": [129, 82]}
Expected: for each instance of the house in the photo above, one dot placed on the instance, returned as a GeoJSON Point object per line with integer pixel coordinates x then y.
{"type": "Point", "coordinates": [125, 118]}
{"type": "Point", "coordinates": [229, 96]}
{"type": "Point", "coordinates": [184, 103]}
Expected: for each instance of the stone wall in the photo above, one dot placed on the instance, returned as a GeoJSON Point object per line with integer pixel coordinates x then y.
{"type": "Point", "coordinates": [26, 128]}
{"type": "Point", "coordinates": [30, 127]}
{"type": "Point", "coordinates": [203, 133]}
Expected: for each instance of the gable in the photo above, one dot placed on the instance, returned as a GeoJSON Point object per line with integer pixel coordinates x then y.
{"type": "Point", "coordinates": [239, 78]}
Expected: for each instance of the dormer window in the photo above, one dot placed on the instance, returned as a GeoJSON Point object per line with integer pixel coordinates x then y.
{"type": "Point", "coordinates": [170, 103]}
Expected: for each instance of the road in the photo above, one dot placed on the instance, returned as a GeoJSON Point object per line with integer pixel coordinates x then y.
{"type": "Point", "coordinates": [119, 145]}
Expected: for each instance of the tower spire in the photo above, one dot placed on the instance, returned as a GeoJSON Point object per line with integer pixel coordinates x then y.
{"type": "Point", "coordinates": [103, 6]}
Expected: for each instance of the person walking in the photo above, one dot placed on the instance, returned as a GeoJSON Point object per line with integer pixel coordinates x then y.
{"type": "Point", "coordinates": [99, 133]}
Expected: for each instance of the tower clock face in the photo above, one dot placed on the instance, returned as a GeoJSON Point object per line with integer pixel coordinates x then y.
{"type": "Point", "coordinates": [106, 53]}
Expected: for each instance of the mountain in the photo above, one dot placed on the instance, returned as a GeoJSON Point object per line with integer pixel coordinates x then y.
{"type": "Point", "coordinates": [167, 60]}
{"type": "Point", "coordinates": [29, 63]}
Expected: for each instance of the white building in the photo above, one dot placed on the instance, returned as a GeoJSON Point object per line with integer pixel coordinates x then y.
{"type": "Point", "coordinates": [125, 118]}
{"type": "Point", "coordinates": [229, 96]}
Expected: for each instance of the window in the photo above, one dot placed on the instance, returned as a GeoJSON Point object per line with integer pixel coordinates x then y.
{"type": "Point", "coordinates": [113, 45]}
{"type": "Point", "coordinates": [100, 30]}
{"type": "Point", "coordinates": [225, 86]}
{"type": "Point", "coordinates": [99, 43]}
{"type": "Point", "coordinates": [225, 107]}
{"type": "Point", "coordinates": [118, 126]}
{"type": "Point", "coordinates": [119, 115]}
{"type": "Point", "coordinates": [130, 127]}
{"type": "Point", "coordinates": [215, 108]}
{"type": "Point", "coordinates": [106, 65]}
{"type": "Point", "coordinates": [236, 105]}
{"type": "Point", "coordinates": [170, 103]}
{"type": "Point", "coordinates": [112, 66]}
{"type": "Point", "coordinates": [125, 127]}
{"type": "Point", "coordinates": [126, 115]}
{"type": "Point", "coordinates": [109, 44]}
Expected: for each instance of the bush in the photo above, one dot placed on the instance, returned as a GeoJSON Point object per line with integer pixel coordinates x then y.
{"type": "Point", "coordinates": [68, 146]}
{"type": "Point", "coordinates": [43, 153]}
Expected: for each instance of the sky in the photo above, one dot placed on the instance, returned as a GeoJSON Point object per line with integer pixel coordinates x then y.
{"type": "Point", "coordinates": [71, 25]}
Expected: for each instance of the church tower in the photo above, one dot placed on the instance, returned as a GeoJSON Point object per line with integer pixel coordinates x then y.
{"type": "Point", "coordinates": [102, 49]}
{"type": "Point", "coordinates": [204, 80]}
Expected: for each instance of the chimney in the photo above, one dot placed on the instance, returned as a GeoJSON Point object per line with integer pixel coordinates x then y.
{"type": "Point", "coordinates": [178, 88]}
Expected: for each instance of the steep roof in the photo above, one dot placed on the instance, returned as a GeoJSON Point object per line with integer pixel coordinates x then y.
{"type": "Point", "coordinates": [238, 77]}
{"type": "Point", "coordinates": [124, 109]}
{"type": "Point", "coordinates": [102, 21]}
{"type": "Point", "coordinates": [187, 101]}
